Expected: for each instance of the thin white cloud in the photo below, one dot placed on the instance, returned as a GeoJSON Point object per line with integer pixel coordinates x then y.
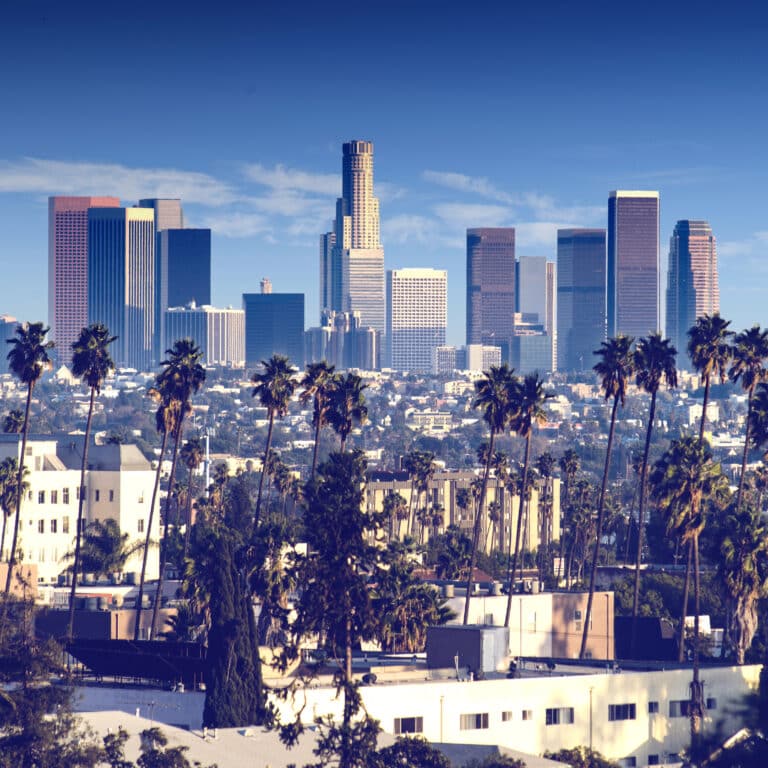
{"type": "Point", "coordinates": [756, 244]}
{"type": "Point", "coordinates": [282, 178]}
{"type": "Point", "coordinates": [463, 183]}
{"type": "Point", "coordinates": [464, 215]}
{"type": "Point", "coordinates": [405, 228]}
{"type": "Point", "coordinates": [237, 224]}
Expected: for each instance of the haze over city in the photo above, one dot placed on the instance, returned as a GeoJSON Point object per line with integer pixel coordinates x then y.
{"type": "Point", "coordinates": [492, 115]}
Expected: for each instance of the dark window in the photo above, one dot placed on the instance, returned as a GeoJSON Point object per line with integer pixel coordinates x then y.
{"type": "Point", "coordinates": [653, 707]}
{"type": "Point", "coordinates": [474, 722]}
{"type": "Point", "coordinates": [621, 712]}
{"type": "Point", "coordinates": [679, 708]}
{"type": "Point", "coordinates": [409, 725]}
{"type": "Point", "coordinates": [559, 716]}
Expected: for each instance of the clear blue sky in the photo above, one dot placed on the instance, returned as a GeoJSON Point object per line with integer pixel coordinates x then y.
{"type": "Point", "coordinates": [482, 113]}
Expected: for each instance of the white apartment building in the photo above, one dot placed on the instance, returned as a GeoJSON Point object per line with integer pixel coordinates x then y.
{"type": "Point", "coordinates": [119, 484]}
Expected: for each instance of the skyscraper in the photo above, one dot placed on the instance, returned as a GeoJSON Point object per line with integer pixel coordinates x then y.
{"type": "Point", "coordinates": [121, 285]}
{"type": "Point", "coordinates": [353, 279]}
{"type": "Point", "coordinates": [274, 324]}
{"type": "Point", "coordinates": [633, 263]}
{"type": "Point", "coordinates": [416, 317]}
{"type": "Point", "coordinates": [220, 333]}
{"type": "Point", "coordinates": [550, 322]}
{"type": "Point", "coordinates": [692, 281]}
{"type": "Point", "coordinates": [68, 268]}
{"type": "Point", "coordinates": [531, 286]}
{"type": "Point", "coordinates": [490, 286]}
{"type": "Point", "coordinates": [580, 296]}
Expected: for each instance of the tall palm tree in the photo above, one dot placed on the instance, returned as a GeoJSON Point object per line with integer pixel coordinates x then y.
{"type": "Point", "coordinates": [347, 407]}
{"type": "Point", "coordinates": [569, 467]}
{"type": "Point", "coordinates": [749, 353]}
{"type": "Point", "coordinates": [275, 385]}
{"type": "Point", "coordinates": [615, 369]}
{"type": "Point", "coordinates": [394, 504]}
{"type": "Point", "coordinates": [9, 470]}
{"type": "Point", "coordinates": [191, 454]}
{"type": "Point", "coordinates": [92, 363]}
{"type": "Point", "coordinates": [410, 464]}
{"type": "Point", "coordinates": [27, 359]}
{"type": "Point", "coordinates": [317, 385]}
{"type": "Point", "coordinates": [492, 396]}
{"type": "Point", "coordinates": [425, 471]}
{"type": "Point", "coordinates": [654, 364]}
{"type": "Point", "coordinates": [685, 481]}
{"type": "Point", "coordinates": [545, 466]}
{"type": "Point", "coordinates": [527, 411]}
{"type": "Point", "coordinates": [13, 422]}
{"type": "Point", "coordinates": [742, 551]}
{"type": "Point", "coordinates": [181, 377]}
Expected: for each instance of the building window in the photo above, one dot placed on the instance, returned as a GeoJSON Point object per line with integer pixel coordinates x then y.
{"type": "Point", "coordinates": [53, 526]}
{"type": "Point", "coordinates": [711, 703]}
{"type": "Point", "coordinates": [96, 495]}
{"type": "Point", "coordinates": [409, 725]}
{"type": "Point", "coordinates": [679, 708]}
{"type": "Point", "coordinates": [54, 497]}
{"type": "Point", "coordinates": [141, 497]}
{"type": "Point", "coordinates": [141, 525]}
{"type": "Point", "coordinates": [653, 707]}
{"type": "Point", "coordinates": [111, 495]}
{"type": "Point", "coordinates": [527, 714]}
{"type": "Point", "coordinates": [65, 525]}
{"type": "Point", "coordinates": [559, 716]}
{"type": "Point", "coordinates": [621, 712]}
{"type": "Point", "coordinates": [474, 722]}
{"type": "Point", "coordinates": [65, 496]}
{"type": "Point", "coordinates": [41, 497]}
{"type": "Point", "coordinates": [653, 760]}
{"type": "Point", "coordinates": [506, 716]}
{"type": "Point", "coordinates": [77, 493]}
{"type": "Point", "coordinates": [628, 762]}
{"type": "Point", "coordinates": [41, 526]}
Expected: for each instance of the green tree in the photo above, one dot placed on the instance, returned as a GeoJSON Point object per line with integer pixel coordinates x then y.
{"type": "Point", "coordinates": [581, 757]}
{"type": "Point", "coordinates": [92, 363]}
{"type": "Point", "coordinates": [394, 506]}
{"type": "Point", "coordinates": [191, 454]}
{"type": "Point", "coordinates": [654, 364]}
{"type": "Point", "coordinates": [615, 369]}
{"type": "Point", "coordinates": [347, 407]}
{"type": "Point", "coordinates": [104, 549]}
{"type": "Point", "coordinates": [453, 552]}
{"type": "Point", "coordinates": [494, 396]}
{"type": "Point", "coordinates": [569, 464]}
{"type": "Point", "coordinates": [749, 354]}
{"type": "Point", "coordinates": [317, 386]}
{"type": "Point", "coordinates": [545, 466]}
{"type": "Point", "coordinates": [27, 360]}
{"type": "Point", "coordinates": [274, 387]}
{"type": "Point", "coordinates": [527, 400]}
{"type": "Point", "coordinates": [409, 752]}
{"type": "Point", "coordinates": [13, 422]}
{"type": "Point", "coordinates": [9, 474]}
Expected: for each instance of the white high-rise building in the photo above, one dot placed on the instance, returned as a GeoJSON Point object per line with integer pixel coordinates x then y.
{"type": "Point", "coordinates": [352, 257]}
{"type": "Point", "coordinates": [416, 316]}
{"type": "Point", "coordinates": [220, 333]}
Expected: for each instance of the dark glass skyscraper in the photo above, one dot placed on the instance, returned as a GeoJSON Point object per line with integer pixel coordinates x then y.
{"type": "Point", "coordinates": [692, 281]}
{"type": "Point", "coordinates": [633, 263]}
{"type": "Point", "coordinates": [490, 285]}
{"type": "Point", "coordinates": [274, 324]}
{"type": "Point", "coordinates": [580, 296]}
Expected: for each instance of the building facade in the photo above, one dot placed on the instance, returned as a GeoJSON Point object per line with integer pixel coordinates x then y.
{"type": "Point", "coordinates": [343, 341]}
{"type": "Point", "coordinates": [417, 317]}
{"type": "Point", "coordinates": [633, 263]}
{"type": "Point", "coordinates": [581, 284]}
{"type": "Point", "coordinates": [68, 268]}
{"type": "Point", "coordinates": [274, 324]}
{"type": "Point", "coordinates": [121, 282]}
{"type": "Point", "coordinates": [220, 333]}
{"type": "Point", "coordinates": [8, 327]}
{"type": "Point", "coordinates": [693, 288]}
{"type": "Point", "coordinates": [490, 286]}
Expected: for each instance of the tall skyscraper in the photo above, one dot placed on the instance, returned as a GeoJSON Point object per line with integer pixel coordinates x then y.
{"type": "Point", "coordinates": [8, 327]}
{"type": "Point", "coordinates": [274, 324]}
{"type": "Point", "coordinates": [531, 286]}
{"type": "Point", "coordinates": [352, 280]}
{"type": "Point", "coordinates": [633, 263]}
{"type": "Point", "coordinates": [490, 286]}
{"type": "Point", "coordinates": [692, 281]}
{"type": "Point", "coordinates": [417, 317]}
{"type": "Point", "coordinates": [580, 297]}
{"type": "Point", "coordinates": [220, 333]}
{"type": "Point", "coordinates": [168, 212]}
{"type": "Point", "coordinates": [68, 268]}
{"type": "Point", "coordinates": [550, 322]}
{"type": "Point", "coordinates": [121, 285]}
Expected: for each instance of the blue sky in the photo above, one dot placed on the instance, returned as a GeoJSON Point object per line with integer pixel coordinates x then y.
{"type": "Point", "coordinates": [482, 113]}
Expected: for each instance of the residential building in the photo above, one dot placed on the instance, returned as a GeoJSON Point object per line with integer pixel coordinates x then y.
{"type": "Point", "coordinates": [581, 281]}
{"type": "Point", "coordinates": [692, 282]}
{"type": "Point", "coordinates": [490, 286]}
{"type": "Point", "coordinates": [68, 268]}
{"type": "Point", "coordinates": [220, 333]}
{"type": "Point", "coordinates": [121, 282]}
{"type": "Point", "coordinates": [274, 324]}
{"type": "Point", "coordinates": [417, 317]}
{"type": "Point", "coordinates": [633, 263]}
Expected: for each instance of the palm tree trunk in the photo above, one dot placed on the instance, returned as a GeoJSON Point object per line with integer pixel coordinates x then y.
{"type": "Point", "coordinates": [703, 420]}
{"type": "Point", "coordinates": [697, 702]}
{"type": "Point", "coordinates": [16, 522]}
{"type": "Point", "coordinates": [79, 528]}
{"type": "Point", "coordinates": [684, 612]}
{"type": "Point", "coordinates": [257, 515]}
{"type": "Point", "coordinates": [746, 450]}
{"type": "Point", "coordinates": [188, 529]}
{"type": "Point", "coordinates": [600, 512]}
{"type": "Point", "coordinates": [476, 527]}
{"type": "Point", "coordinates": [164, 545]}
{"type": "Point", "coordinates": [411, 507]}
{"type": "Point", "coordinates": [315, 447]}
{"type": "Point", "coordinates": [640, 511]}
{"type": "Point", "coordinates": [140, 598]}
{"type": "Point", "coordinates": [562, 538]}
{"type": "Point", "coordinates": [2, 536]}
{"type": "Point", "coordinates": [513, 564]}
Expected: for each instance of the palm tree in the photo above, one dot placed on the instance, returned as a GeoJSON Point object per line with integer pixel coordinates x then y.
{"type": "Point", "coordinates": [742, 550]}
{"type": "Point", "coordinates": [27, 360]}
{"type": "Point", "coordinates": [654, 363]}
{"type": "Point", "coordinates": [182, 376]}
{"type": "Point", "coordinates": [394, 504]}
{"type": "Point", "coordinates": [527, 399]}
{"type": "Point", "coordinates": [92, 363]}
{"type": "Point", "coordinates": [191, 454]}
{"type": "Point", "coordinates": [13, 422]}
{"type": "Point", "coordinates": [615, 369]}
{"type": "Point", "coordinates": [9, 470]}
{"type": "Point", "coordinates": [410, 464]}
{"type": "Point", "coordinates": [317, 385]}
{"type": "Point", "coordinates": [545, 466]}
{"type": "Point", "coordinates": [425, 471]}
{"type": "Point", "coordinates": [493, 396]}
{"type": "Point", "coordinates": [104, 549]}
{"type": "Point", "coordinates": [347, 406]}
{"type": "Point", "coordinates": [569, 466]}
{"type": "Point", "coordinates": [750, 352]}
{"type": "Point", "coordinates": [685, 481]}
{"type": "Point", "coordinates": [275, 385]}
